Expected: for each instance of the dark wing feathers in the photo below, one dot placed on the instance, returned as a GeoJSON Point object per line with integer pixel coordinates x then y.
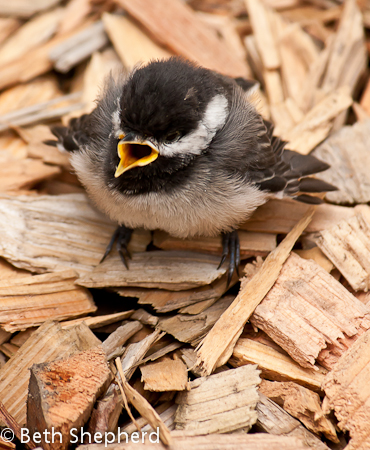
{"type": "Point", "coordinates": [289, 171]}
{"type": "Point", "coordinates": [73, 136]}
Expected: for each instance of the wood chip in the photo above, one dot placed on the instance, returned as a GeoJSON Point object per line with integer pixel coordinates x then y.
{"type": "Point", "coordinates": [273, 419]}
{"type": "Point", "coordinates": [218, 345]}
{"type": "Point", "coordinates": [348, 58]}
{"type": "Point", "coordinates": [166, 301]}
{"type": "Point", "coordinates": [98, 321]}
{"type": "Point", "coordinates": [220, 403]}
{"type": "Point", "coordinates": [167, 375]}
{"type": "Point", "coordinates": [347, 153]}
{"type": "Point", "coordinates": [120, 336]}
{"type": "Point", "coordinates": [32, 34]}
{"type": "Point", "coordinates": [318, 256]}
{"type": "Point", "coordinates": [310, 314]}
{"type": "Point", "coordinates": [145, 409]}
{"type": "Point", "coordinates": [80, 234]}
{"type": "Point", "coordinates": [157, 269]}
{"type": "Point", "coordinates": [24, 174]}
{"type": "Point", "coordinates": [192, 328]}
{"type": "Point", "coordinates": [24, 8]}
{"type": "Point", "coordinates": [347, 246]}
{"type": "Point", "coordinates": [29, 300]}
{"type": "Point", "coordinates": [263, 33]}
{"type": "Point", "coordinates": [280, 216]}
{"type": "Point", "coordinates": [275, 365]}
{"type": "Point", "coordinates": [260, 441]}
{"type": "Point", "coordinates": [302, 404]}
{"type": "Point", "coordinates": [47, 343]}
{"type": "Point", "coordinates": [62, 394]}
{"type": "Point", "coordinates": [315, 126]}
{"type": "Point", "coordinates": [131, 43]}
{"type": "Point", "coordinates": [78, 47]}
{"type": "Point", "coordinates": [347, 392]}
{"type": "Point", "coordinates": [201, 45]}
{"type": "Point", "coordinates": [251, 244]}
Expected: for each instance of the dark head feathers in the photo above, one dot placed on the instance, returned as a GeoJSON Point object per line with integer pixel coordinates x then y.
{"type": "Point", "coordinates": [166, 96]}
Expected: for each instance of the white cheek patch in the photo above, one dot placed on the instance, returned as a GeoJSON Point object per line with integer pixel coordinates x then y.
{"type": "Point", "coordinates": [116, 121]}
{"type": "Point", "coordinates": [194, 143]}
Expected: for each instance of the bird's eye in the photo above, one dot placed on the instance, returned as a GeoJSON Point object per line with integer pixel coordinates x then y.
{"type": "Point", "coordinates": [173, 136]}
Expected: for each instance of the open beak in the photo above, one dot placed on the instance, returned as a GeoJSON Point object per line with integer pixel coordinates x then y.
{"type": "Point", "coordinates": [134, 154]}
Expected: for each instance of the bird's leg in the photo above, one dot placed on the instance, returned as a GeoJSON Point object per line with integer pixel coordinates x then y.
{"type": "Point", "coordinates": [231, 246]}
{"type": "Point", "coordinates": [123, 236]}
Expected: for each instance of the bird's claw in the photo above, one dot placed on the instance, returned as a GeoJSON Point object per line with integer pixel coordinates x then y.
{"type": "Point", "coordinates": [123, 236]}
{"type": "Point", "coordinates": [231, 247]}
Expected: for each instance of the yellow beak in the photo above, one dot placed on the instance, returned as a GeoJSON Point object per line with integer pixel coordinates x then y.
{"type": "Point", "coordinates": [134, 154]}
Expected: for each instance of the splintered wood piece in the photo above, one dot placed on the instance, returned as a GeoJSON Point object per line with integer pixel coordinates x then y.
{"type": "Point", "coordinates": [192, 328]}
{"type": "Point", "coordinates": [27, 301]}
{"type": "Point", "coordinates": [36, 62]}
{"type": "Point", "coordinates": [36, 149]}
{"type": "Point", "coordinates": [144, 317]}
{"type": "Point", "coordinates": [200, 44]}
{"type": "Point", "coordinates": [263, 34]}
{"type": "Point", "coordinates": [79, 233]}
{"type": "Point", "coordinates": [302, 404]}
{"type": "Point", "coordinates": [347, 245]}
{"type": "Point", "coordinates": [166, 412]}
{"type": "Point", "coordinates": [308, 97]}
{"type": "Point", "coordinates": [167, 375]}
{"type": "Point", "coordinates": [98, 321]}
{"type": "Point", "coordinates": [136, 352]}
{"type": "Point", "coordinates": [75, 13]}
{"type": "Point", "coordinates": [251, 244]}
{"type": "Point", "coordinates": [274, 420]}
{"type": "Point", "coordinates": [37, 91]}
{"type": "Point", "coordinates": [274, 87]}
{"type": "Point", "coordinates": [166, 301]}
{"type": "Point", "coordinates": [24, 8]}
{"type": "Point", "coordinates": [78, 47]}
{"type": "Point", "coordinates": [62, 394]}
{"type": "Point", "coordinates": [8, 25]}
{"type": "Point", "coordinates": [315, 126]}
{"type": "Point", "coordinates": [110, 406]}
{"type": "Point", "coordinates": [144, 407]}
{"type": "Point", "coordinates": [175, 270]}
{"type": "Point", "coordinates": [101, 65]}
{"type": "Point", "coordinates": [33, 33]}
{"type": "Point", "coordinates": [15, 430]}
{"type": "Point", "coordinates": [274, 364]}
{"type": "Point", "coordinates": [347, 392]}
{"type": "Point", "coordinates": [310, 314]}
{"type": "Point", "coordinates": [218, 345]}
{"type": "Point", "coordinates": [219, 403]}
{"type": "Point", "coordinates": [347, 153]}
{"type": "Point", "coordinates": [181, 441]}
{"type": "Point", "coordinates": [298, 53]}
{"type": "Point", "coordinates": [47, 343]}
{"type": "Point", "coordinates": [280, 216]}
{"type": "Point", "coordinates": [21, 174]}
{"type": "Point", "coordinates": [348, 58]}
{"type": "Point", "coordinates": [120, 336]}
{"type": "Point", "coordinates": [40, 111]}
{"type": "Point", "coordinates": [130, 42]}
{"type": "Point", "coordinates": [318, 256]}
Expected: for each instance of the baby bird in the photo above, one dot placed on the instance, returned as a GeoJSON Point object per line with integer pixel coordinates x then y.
{"type": "Point", "coordinates": [177, 147]}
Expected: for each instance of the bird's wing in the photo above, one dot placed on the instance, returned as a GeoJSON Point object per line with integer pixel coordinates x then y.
{"type": "Point", "coordinates": [289, 173]}
{"type": "Point", "coordinates": [73, 136]}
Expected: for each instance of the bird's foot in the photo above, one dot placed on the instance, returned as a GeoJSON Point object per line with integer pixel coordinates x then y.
{"type": "Point", "coordinates": [231, 247]}
{"type": "Point", "coordinates": [123, 236]}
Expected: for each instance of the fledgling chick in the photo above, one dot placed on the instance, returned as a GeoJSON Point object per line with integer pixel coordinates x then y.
{"type": "Point", "coordinates": [177, 147]}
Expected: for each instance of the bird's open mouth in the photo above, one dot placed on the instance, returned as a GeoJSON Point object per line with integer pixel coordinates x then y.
{"type": "Point", "coordinates": [134, 154]}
